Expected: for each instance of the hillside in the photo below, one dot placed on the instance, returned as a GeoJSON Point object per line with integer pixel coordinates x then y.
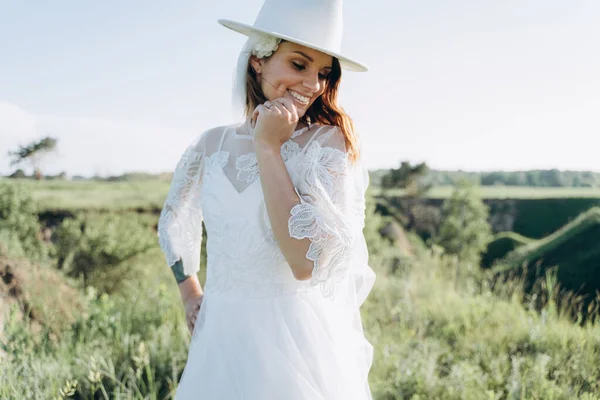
{"type": "Point", "coordinates": [573, 249]}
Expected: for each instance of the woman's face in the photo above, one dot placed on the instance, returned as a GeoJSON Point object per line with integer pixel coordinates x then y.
{"type": "Point", "coordinates": [294, 71]}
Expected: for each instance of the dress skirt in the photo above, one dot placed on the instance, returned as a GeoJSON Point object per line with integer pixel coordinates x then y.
{"type": "Point", "coordinates": [295, 347]}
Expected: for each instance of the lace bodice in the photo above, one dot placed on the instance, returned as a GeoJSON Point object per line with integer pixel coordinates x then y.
{"type": "Point", "coordinates": [217, 182]}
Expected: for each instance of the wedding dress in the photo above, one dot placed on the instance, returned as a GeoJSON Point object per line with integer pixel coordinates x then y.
{"type": "Point", "coordinates": [260, 333]}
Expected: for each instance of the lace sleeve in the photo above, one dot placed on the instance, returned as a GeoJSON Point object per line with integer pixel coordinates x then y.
{"type": "Point", "coordinates": [327, 213]}
{"type": "Point", "coordinates": [180, 222]}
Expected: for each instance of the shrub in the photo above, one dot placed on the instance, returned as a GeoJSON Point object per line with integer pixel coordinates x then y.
{"type": "Point", "coordinates": [96, 248]}
{"type": "Point", "coordinates": [19, 220]}
{"type": "Point", "coordinates": [465, 231]}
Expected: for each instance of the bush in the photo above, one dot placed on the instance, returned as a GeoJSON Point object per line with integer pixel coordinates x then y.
{"type": "Point", "coordinates": [464, 231]}
{"type": "Point", "coordinates": [19, 220]}
{"type": "Point", "coordinates": [96, 248]}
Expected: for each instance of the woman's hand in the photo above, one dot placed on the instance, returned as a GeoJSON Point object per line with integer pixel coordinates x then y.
{"type": "Point", "coordinates": [192, 306]}
{"type": "Point", "coordinates": [275, 122]}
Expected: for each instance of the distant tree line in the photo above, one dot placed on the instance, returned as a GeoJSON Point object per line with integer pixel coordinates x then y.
{"type": "Point", "coordinates": [541, 178]}
{"type": "Point", "coordinates": [420, 175]}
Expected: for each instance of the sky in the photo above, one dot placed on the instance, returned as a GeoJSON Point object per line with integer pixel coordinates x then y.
{"type": "Point", "coordinates": [475, 85]}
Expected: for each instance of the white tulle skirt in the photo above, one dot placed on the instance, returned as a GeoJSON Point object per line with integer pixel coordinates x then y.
{"type": "Point", "coordinates": [292, 347]}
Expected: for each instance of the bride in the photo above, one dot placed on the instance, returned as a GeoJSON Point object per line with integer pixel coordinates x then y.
{"type": "Point", "coordinates": [282, 197]}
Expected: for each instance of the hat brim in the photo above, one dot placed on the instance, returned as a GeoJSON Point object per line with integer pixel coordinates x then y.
{"type": "Point", "coordinates": [245, 29]}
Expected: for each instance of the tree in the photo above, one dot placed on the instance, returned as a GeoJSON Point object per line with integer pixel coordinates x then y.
{"type": "Point", "coordinates": [34, 153]}
{"type": "Point", "coordinates": [464, 231]}
{"type": "Point", "coordinates": [407, 177]}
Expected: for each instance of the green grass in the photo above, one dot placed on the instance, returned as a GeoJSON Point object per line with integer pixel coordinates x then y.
{"type": "Point", "coordinates": [98, 196]}
{"type": "Point", "coordinates": [436, 335]}
{"type": "Point", "coordinates": [150, 194]}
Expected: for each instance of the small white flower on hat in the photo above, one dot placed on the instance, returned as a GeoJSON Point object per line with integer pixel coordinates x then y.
{"type": "Point", "coordinates": [265, 45]}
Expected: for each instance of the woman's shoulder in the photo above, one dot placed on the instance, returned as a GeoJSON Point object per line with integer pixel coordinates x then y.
{"type": "Point", "coordinates": [208, 139]}
{"type": "Point", "coordinates": [330, 136]}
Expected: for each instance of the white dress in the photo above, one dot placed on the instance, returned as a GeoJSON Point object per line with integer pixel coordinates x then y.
{"type": "Point", "coordinates": [260, 333]}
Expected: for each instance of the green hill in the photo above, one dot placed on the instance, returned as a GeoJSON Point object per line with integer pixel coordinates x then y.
{"type": "Point", "coordinates": [502, 244]}
{"type": "Point", "coordinates": [574, 249]}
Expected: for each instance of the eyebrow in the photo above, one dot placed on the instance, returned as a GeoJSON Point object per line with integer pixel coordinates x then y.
{"type": "Point", "coordinates": [309, 58]}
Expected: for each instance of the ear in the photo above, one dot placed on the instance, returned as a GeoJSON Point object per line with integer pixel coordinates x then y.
{"type": "Point", "coordinates": [256, 64]}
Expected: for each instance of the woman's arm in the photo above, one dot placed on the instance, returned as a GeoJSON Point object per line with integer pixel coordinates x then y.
{"type": "Point", "coordinates": [180, 227]}
{"type": "Point", "coordinates": [190, 288]}
{"type": "Point", "coordinates": [178, 272]}
{"type": "Point", "coordinates": [280, 197]}
{"type": "Point", "coordinates": [191, 297]}
{"type": "Point", "coordinates": [312, 223]}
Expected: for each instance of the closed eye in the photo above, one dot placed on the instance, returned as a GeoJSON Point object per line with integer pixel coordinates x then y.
{"type": "Point", "coordinates": [301, 67]}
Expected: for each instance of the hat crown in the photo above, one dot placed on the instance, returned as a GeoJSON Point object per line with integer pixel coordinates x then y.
{"type": "Point", "coordinates": [314, 21]}
{"type": "Point", "coordinates": [317, 24]}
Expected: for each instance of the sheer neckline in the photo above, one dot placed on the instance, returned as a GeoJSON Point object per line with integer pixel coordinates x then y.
{"type": "Point", "coordinates": [247, 127]}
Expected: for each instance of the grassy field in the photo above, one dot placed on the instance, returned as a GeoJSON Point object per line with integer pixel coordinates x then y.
{"type": "Point", "coordinates": [97, 196]}
{"type": "Point", "coordinates": [436, 334]}
{"type": "Point", "coordinates": [150, 195]}
{"type": "Point", "coordinates": [441, 328]}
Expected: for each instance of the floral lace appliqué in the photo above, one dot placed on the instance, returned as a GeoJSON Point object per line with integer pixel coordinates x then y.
{"type": "Point", "coordinates": [321, 214]}
{"type": "Point", "coordinates": [247, 164]}
{"type": "Point", "coordinates": [180, 222]}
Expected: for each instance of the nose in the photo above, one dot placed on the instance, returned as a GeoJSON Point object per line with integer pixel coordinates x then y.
{"type": "Point", "coordinates": [312, 82]}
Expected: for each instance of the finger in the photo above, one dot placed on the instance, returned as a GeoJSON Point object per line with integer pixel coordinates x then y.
{"type": "Point", "coordinates": [275, 109]}
{"type": "Point", "coordinates": [288, 103]}
{"type": "Point", "coordinates": [290, 107]}
{"type": "Point", "coordinates": [281, 104]}
{"type": "Point", "coordinates": [279, 108]}
{"type": "Point", "coordinates": [261, 108]}
{"type": "Point", "coordinates": [258, 110]}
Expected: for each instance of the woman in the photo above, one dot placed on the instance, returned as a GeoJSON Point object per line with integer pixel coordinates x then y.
{"type": "Point", "coordinates": [282, 199]}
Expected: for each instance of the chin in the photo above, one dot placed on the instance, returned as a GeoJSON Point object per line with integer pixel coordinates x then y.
{"type": "Point", "coordinates": [303, 109]}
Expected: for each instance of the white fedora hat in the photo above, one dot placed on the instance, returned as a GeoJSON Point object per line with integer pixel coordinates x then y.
{"type": "Point", "coordinates": [316, 24]}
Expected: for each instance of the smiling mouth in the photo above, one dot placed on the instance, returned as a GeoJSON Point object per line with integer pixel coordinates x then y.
{"type": "Point", "coordinates": [299, 98]}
